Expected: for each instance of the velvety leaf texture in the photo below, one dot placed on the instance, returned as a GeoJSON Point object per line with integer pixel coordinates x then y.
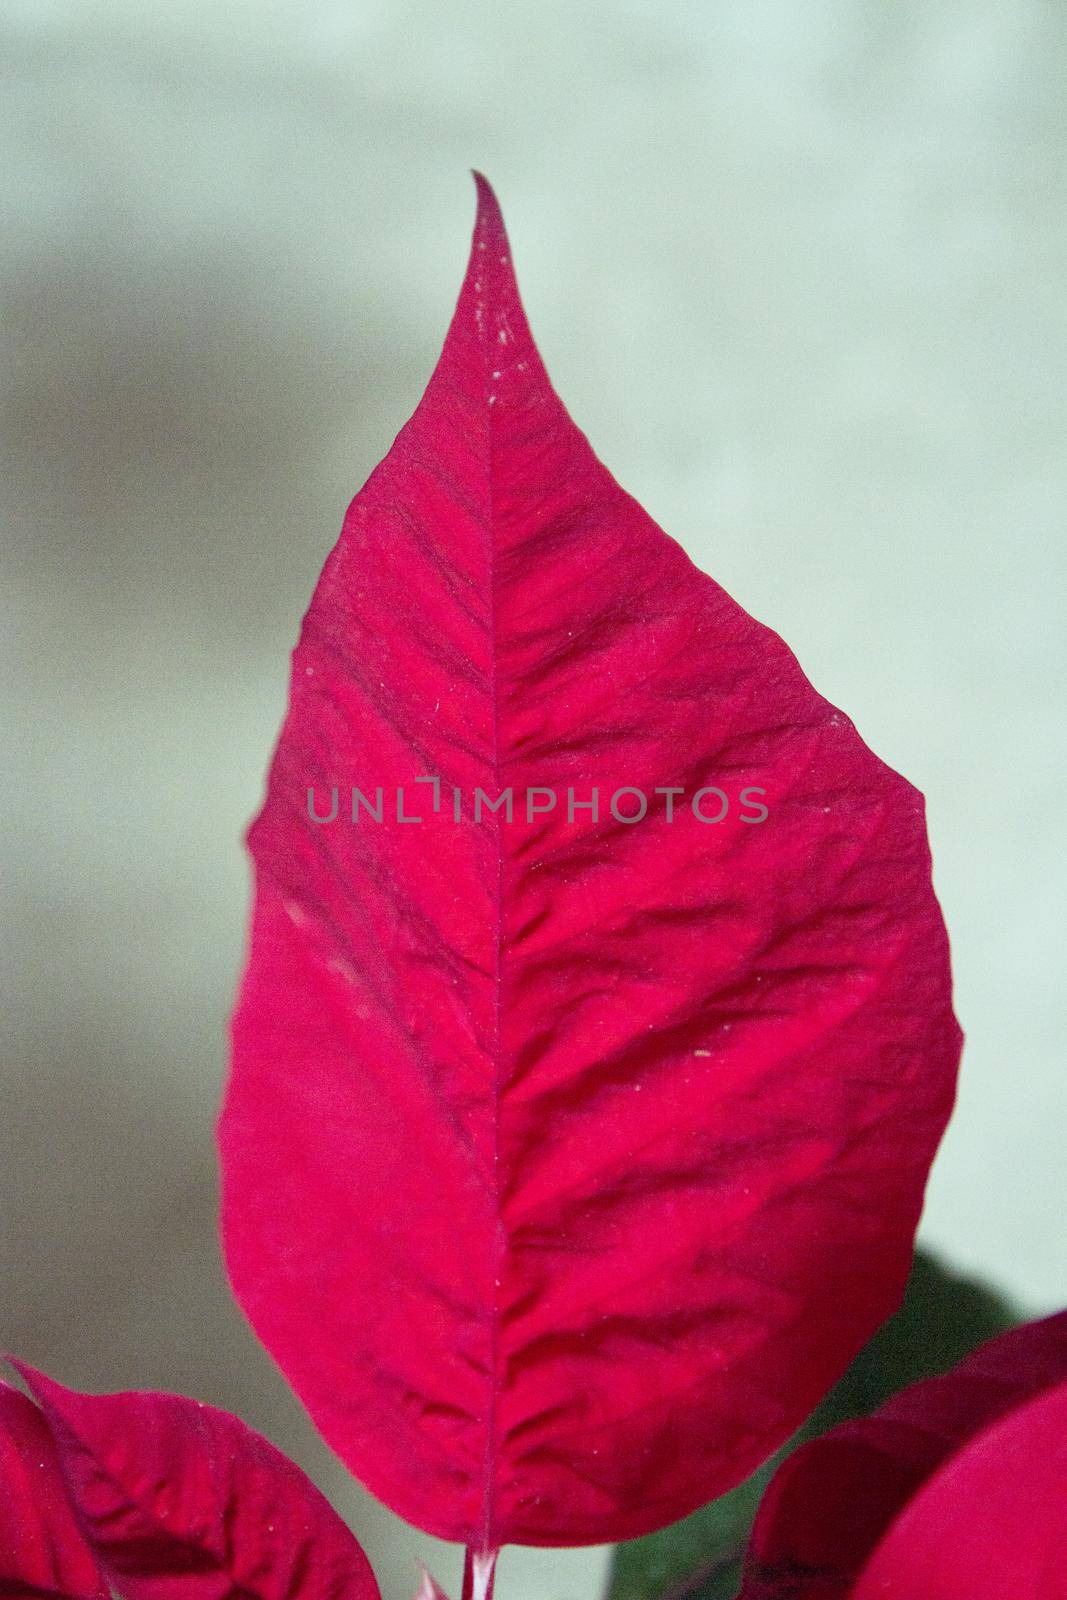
{"type": "Point", "coordinates": [183, 1502]}
{"type": "Point", "coordinates": [567, 1160]}
{"type": "Point", "coordinates": [832, 1502]}
{"type": "Point", "coordinates": [42, 1549]}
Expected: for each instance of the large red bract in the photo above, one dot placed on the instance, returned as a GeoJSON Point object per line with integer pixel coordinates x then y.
{"type": "Point", "coordinates": [567, 1160]}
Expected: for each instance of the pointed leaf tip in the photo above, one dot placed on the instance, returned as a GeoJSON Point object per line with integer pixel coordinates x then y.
{"type": "Point", "coordinates": [38, 1383]}
{"type": "Point", "coordinates": [489, 362]}
{"type": "Point", "coordinates": [429, 1588]}
{"type": "Point", "coordinates": [490, 271]}
{"type": "Point", "coordinates": [490, 219]}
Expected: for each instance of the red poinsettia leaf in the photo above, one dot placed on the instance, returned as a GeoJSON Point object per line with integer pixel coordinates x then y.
{"type": "Point", "coordinates": [42, 1549]}
{"type": "Point", "coordinates": [183, 1502]}
{"type": "Point", "coordinates": [567, 1159]}
{"type": "Point", "coordinates": [833, 1500]}
{"type": "Point", "coordinates": [991, 1524]}
{"type": "Point", "coordinates": [429, 1588]}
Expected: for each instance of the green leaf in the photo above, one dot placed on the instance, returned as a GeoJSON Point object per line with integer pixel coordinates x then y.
{"type": "Point", "coordinates": [942, 1318]}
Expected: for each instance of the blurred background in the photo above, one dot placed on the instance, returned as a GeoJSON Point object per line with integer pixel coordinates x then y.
{"type": "Point", "coordinates": [796, 266]}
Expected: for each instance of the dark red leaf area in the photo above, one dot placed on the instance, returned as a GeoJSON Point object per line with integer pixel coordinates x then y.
{"type": "Point", "coordinates": [991, 1524]}
{"type": "Point", "coordinates": [832, 1501]}
{"type": "Point", "coordinates": [42, 1549]}
{"type": "Point", "coordinates": [183, 1502]}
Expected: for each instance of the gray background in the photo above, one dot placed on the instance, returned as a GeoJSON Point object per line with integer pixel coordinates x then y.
{"type": "Point", "coordinates": [797, 267]}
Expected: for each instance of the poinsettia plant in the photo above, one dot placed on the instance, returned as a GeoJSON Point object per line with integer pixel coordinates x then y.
{"type": "Point", "coordinates": [593, 1048]}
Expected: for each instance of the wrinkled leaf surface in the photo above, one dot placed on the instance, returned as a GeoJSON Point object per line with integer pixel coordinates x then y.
{"type": "Point", "coordinates": [183, 1502]}
{"type": "Point", "coordinates": [42, 1550]}
{"type": "Point", "coordinates": [942, 1319]}
{"type": "Point", "coordinates": [568, 1161]}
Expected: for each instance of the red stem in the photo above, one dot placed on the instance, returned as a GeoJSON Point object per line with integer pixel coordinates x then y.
{"type": "Point", "coordinates": [479, 1574]}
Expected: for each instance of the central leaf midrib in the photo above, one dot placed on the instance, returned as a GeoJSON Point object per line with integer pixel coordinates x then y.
{"type": "Point", "coordinates": [491, 1440]}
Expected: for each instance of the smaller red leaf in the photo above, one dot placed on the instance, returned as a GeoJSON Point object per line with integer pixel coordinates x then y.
{"type": "Point", "coordinates": [183, 1502]}
{"type": "Point", "coordinates": [833, 1501]}
{"type": "Point", "coordinates": [991, 1524]}
{"type": "Point", "coordinates": [42, 1550]}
